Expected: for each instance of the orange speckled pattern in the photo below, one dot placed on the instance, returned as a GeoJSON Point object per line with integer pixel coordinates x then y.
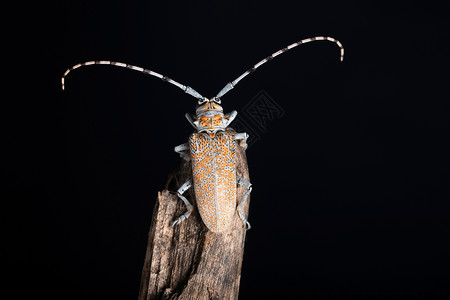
{"type": "Point", "coordinates": [214, 175]}
{"type": "Point", "coordinates": [211, 123]}
{"type": "Point", "coordinates": [216, 121]}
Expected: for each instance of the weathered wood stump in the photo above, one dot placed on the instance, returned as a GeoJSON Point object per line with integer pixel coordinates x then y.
{"type": "Point", "coordinates": [188, 261]}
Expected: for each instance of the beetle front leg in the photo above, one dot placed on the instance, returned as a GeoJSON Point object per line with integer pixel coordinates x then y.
{"type": "Point", "coordinates": [248, 185]}
{"type": "Point", "coordinates": [192, 120]}
{"type": "Point", "coordinates": [243, 136]}
{"type": "Point", "coordinates": [229, 117]}
{"type": "Point", "coordinates": [183, 150]}
{"type": "Point", "coordinates": [189, 206]}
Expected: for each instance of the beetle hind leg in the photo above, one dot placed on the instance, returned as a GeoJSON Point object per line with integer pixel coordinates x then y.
{"type": "Point", "coordinates": [248, 185]}
{"type": "Point", "coordinates": [189, 206]}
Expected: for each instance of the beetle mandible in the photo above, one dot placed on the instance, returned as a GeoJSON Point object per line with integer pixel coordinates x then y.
{"type": "Point", "coordinates": [212, 148]}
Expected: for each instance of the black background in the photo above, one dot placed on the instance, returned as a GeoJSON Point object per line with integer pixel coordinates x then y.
{"type": "Point", "coordinates": [351, 184]}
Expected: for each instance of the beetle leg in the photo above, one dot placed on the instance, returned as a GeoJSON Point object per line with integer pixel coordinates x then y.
{"type": "Point", "coordinates": [243, 136]}
{"type": "Point", "coordinates": [183, 150]}
{"type": "Point", "coordinates": [229, 117]}
{"type": "Point", "coordinates": [248, 185]}
{"type": "Point", "coordinates": [192, 120]}
{"type": "Point", "coordinates": [189, 206]}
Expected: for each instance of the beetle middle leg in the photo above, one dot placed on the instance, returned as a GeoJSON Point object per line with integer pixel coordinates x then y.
{"type": "Point", "coordinates": [243, 136]}
{"type": "Point", "coordinates": [183, 150]}
{"type": "Point", "coordinates": [189, 206]}
{"type": "Point", "coordinates": [248, 185]}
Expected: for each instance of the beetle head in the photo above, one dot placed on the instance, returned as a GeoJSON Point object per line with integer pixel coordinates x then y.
{"type": "Point", "coordinates": [209, 116]}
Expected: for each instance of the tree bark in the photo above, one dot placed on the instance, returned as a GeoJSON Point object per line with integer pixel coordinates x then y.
{"type": "Point", "coordinates": [189, 261]}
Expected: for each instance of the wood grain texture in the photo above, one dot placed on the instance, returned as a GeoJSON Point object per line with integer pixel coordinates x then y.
{"type": "Point", "coordinates": [188, 261]}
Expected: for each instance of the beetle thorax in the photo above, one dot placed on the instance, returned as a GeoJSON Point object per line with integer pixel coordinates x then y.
{"type": "Point", "coordinates": [210, 118]}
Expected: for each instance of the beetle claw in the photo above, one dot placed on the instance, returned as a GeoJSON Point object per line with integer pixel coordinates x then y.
{"type": "Point", "coordinates": [247, 225]}
{"type": "Point", "coordinates": [244, 220]}
{"type": "Point", "coordinates": [175, 222]}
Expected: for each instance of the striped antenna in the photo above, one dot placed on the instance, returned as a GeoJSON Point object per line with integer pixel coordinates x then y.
{"type": "Point", "coordinates": [185, 88]}
{"type": "Point", "coordinates": [232, 84]}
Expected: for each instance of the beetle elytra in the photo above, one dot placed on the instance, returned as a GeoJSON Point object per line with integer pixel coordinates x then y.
{"type": "Point", "coordinates": [211, 148]}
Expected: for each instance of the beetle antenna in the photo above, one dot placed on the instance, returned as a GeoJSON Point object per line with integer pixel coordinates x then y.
{"type": "Point", "coordinates": [186, 89]}
{"type": "Point", "coordinates": [232, 84]}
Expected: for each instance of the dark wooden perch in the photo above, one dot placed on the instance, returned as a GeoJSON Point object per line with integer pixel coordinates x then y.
{"type": "Point", "coordinates": [188, 261]}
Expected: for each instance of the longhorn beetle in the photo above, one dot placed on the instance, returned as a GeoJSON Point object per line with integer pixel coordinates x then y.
{"type": "Point", "coordinates": [212, 148]}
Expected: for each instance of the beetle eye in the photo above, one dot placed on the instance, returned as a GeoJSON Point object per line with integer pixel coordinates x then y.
{"type": "Point", "coordinates": [217, 100]}
{"type": "Point", "coordinates": [202, 100]}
